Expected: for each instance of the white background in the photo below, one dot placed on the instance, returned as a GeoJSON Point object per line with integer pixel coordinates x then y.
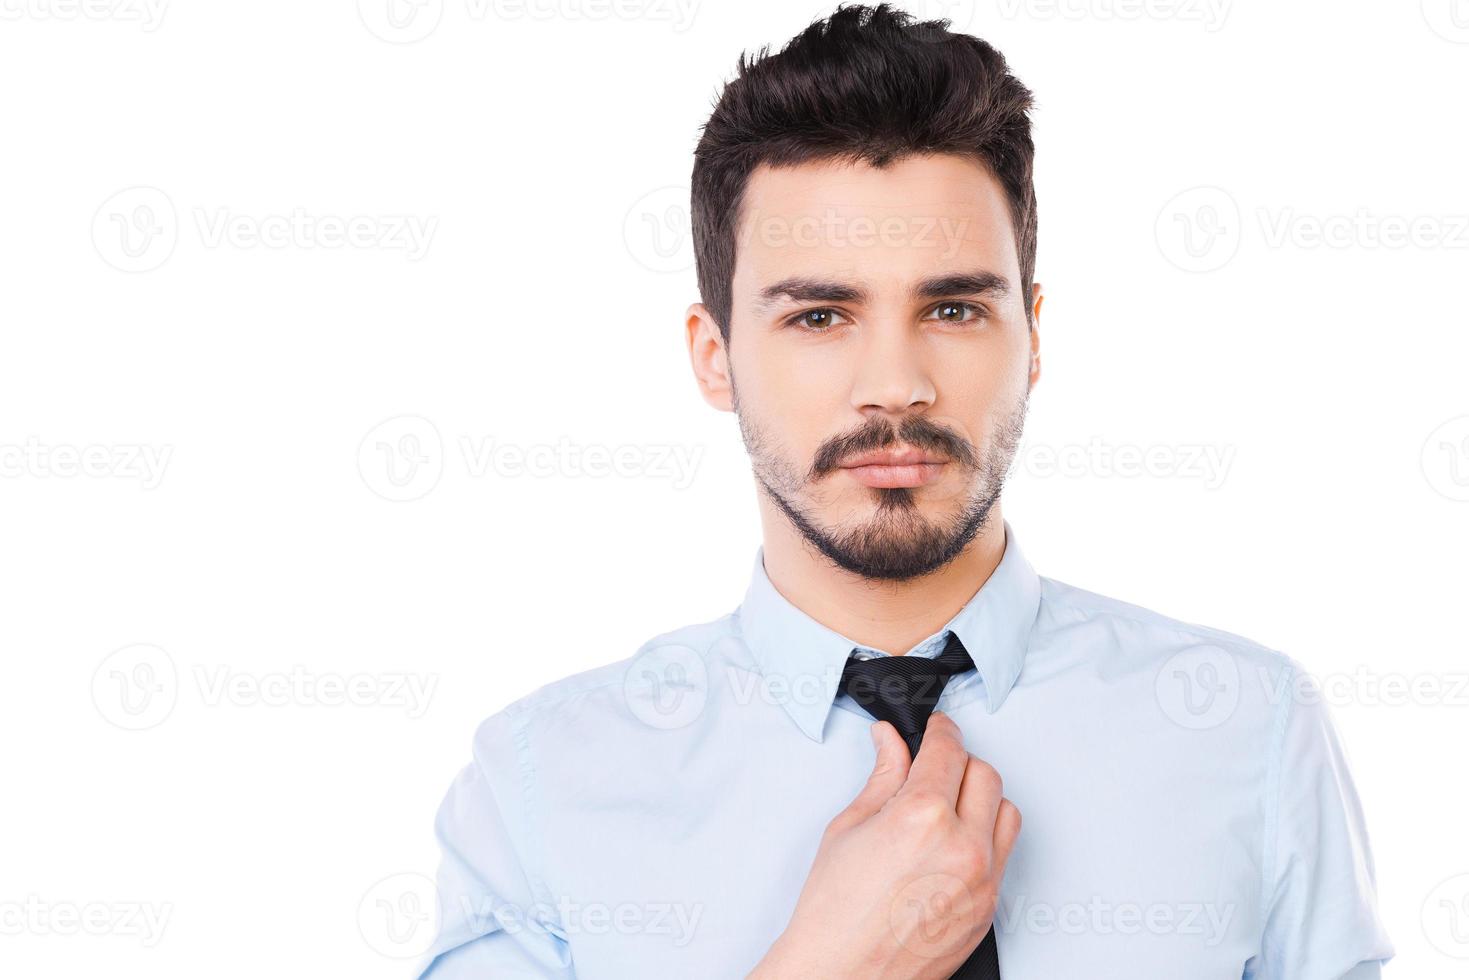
{"type": "Point", "coordinates": [173, 742]}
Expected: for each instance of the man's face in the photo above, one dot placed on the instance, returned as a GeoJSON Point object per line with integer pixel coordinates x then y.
{"type": "Point", "coordinates": [880, 357]}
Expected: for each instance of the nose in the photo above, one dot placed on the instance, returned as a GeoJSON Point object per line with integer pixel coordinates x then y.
{"type": "Point", "coordinates": [891, 377]}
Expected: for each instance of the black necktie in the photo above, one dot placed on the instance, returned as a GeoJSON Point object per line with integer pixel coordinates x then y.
{"type": "Point", "coordinates": [904, 691]}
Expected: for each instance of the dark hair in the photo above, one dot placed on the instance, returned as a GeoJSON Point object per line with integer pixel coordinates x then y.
{"type": "Point", "coordinates": [866, 84]}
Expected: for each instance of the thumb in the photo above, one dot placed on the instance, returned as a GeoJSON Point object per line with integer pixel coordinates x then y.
{"type": "Point", "coordinates": [889, 772]}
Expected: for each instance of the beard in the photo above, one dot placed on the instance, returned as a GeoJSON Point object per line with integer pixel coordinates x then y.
{"type": "Point", "coordinates": [898, 542]}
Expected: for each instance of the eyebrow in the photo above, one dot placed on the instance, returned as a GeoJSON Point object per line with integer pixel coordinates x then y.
{"type": "Point", "coordinates": [803, 289]}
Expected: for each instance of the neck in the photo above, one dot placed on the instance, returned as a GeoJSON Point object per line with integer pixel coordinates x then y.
{"type": "Point", "coordinates": [889, 616]}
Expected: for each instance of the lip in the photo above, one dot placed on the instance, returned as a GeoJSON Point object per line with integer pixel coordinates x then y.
{"type": "Point", "coordinates": [893, 457]}
{"type": "Point", "coordinates": [888, 468]}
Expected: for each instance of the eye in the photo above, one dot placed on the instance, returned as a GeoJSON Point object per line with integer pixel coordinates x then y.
{"type": "Point", "coordinates": [953, 312]}
{"type": "Point", "coordinates": [814, 321]}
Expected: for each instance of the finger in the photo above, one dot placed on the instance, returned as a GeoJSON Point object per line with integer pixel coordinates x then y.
{"type": "Point", "coordinates": [1007, 829]}
{"type": "Point", "coordinates": [980, 796]}
{"type": "Point", "coordinates": [889, 770]}
{"type": "Point", "coordinates": [939, 767]}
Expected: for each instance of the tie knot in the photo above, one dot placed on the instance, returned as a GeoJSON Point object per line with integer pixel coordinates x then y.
{"type": "Point", "coordinates": [904, 690]}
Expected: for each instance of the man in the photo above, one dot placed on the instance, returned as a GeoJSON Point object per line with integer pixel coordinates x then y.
{"type": "Point", "coordinates": [723, 804]}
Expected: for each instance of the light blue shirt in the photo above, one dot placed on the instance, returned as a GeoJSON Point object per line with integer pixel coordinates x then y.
{"type": "Point", "coordinates": [1187, 807]}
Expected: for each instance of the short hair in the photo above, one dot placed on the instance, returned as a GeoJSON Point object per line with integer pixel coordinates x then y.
{"type": "Point", "coordinates": [866, 84]}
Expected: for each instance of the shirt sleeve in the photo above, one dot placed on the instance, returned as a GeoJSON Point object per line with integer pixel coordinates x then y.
{"type": "Point", "coordinates": [496, 917]}
{"type": "Point", "coordinates": [1320, 914]}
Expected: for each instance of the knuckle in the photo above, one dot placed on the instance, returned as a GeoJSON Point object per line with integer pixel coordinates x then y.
{"type": "Point", "coordinates": [985, 776]}
{"type": "Point", "coordinates": [941, 729]}
{"type": "Point", "coordinates": [950, 748]}
{"type": "Point", "coordinates": [881, 769]}
{"type": "Point", "coordinates": [940, 722]}
{"type": "Point", "coordinates": [924, 809]}
{"type": "Point", "coordinates": [839, 825]}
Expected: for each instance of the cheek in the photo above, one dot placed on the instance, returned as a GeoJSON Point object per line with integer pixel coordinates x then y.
{"type": "Point", "coordinates": [788, 390]}
{"type": "Point", "coordinates": [985, 391]}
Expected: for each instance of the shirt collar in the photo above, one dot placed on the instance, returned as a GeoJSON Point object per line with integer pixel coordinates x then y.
{"type": "Point", "coordinates": [806, 658]}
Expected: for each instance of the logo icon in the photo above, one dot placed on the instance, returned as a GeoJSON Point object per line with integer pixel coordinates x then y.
{"type": "Point", "coordinates": [1198, 230]}
{"type": "Point", "coordinates": [1446, 917]}
{"type": "Point", "coordinates": [1199, 688]}
{"type": "Point", "coordinates": [399, 916]}
{"type": "Point", "coordinates": [1446, 459]}
{"type": "Point", "coordinates": [135, 230]}
{"type": "Point", "coordinates": [928, 915]}
{"type": "Point", "coordinates": [666, 686]}
{"type": "Point", "coordinates": [136, 687]}
{"type": "Point", "coordinates": [1449, 19]}
{"type": "Point", "coordinates": [658, 231]}
{"type": "Point", "coordinates": [401, 459]}
{"type": "Point", "coordinates": [401, 21]}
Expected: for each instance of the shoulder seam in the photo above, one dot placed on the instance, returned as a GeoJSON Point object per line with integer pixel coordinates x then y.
{"type": "Point", "coordinates": [536, 846]}
{"type": "Point", "coordinates": [1270, 793]}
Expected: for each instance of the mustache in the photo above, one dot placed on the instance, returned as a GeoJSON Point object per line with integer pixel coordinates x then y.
{"type": "Point", "coordinates": [879, 433]}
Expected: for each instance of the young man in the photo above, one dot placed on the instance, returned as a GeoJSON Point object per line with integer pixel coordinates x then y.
{"type": "Point", "coordinates": [723, 804]}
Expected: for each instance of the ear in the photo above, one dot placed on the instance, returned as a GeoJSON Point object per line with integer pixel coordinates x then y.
{"type": "Point", "coordinates": [1037, 296]}
{"type": "Point", "coordinates": [708, 357]}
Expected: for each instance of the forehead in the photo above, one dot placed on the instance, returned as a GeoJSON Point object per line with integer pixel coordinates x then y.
{"type": "Point", "coordinates": [885, 228]}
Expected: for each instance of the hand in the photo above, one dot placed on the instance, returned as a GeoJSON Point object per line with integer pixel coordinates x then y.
{"type": "Point", "coordinates": [906, 881]}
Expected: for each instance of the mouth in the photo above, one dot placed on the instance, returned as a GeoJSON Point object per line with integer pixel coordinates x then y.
{"type": "Point", "coordinates": [887, 468]}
